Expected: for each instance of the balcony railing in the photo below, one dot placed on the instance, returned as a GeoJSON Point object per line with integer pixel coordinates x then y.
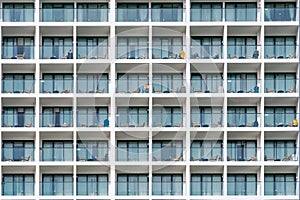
{"type": "Point", "coordinates": [206, 154]}
{"type": "Point", "coordinates": [280, 120]}
{"type": "Point", "coordinates": [167, 154]}
{"type": "Point", "coordinates": [281, 14]}
{"type": "Point", "coordinates": [207, 85]}
{"type": "Point", "coordinates": [92, 52]}
{"type": "Point", "coordinates": [17, 153]}
{"type": "Point", "coordinates": [56, 120]}
{"type": "Point", "coordinates": [56, 52]}
{"type": "Point", "coordinates": [18, 14]}
{"type": "Point", "coordinates": [167, 14]}
{"type": "Point", "coordinates": [281, 154]}
{"type": "Point", "coordinates": [280, 51]}
{"type": "Point", "coordinates": [169, 188]}
{"type": "Point", "coordinates": [57, 188]}
{"type": "Point", "coordinates": [57, 154]}
{"type": "Point", "coordinates": [242, 188]}
{"type": "Point", "coordinates": [132, 188]}
{"type": "Point", "coordinates": [206, 188]}
{"type": "Point", "coordinates": [281, 188]}
{"type": "Point", "coordinates": [243, 51]}
{"type": "Point", "coordinates": [206, 15]}
{"type": "Point", "coordinates": [243, 154]}
{"type": "Point", "coordinates": [206, 119]}
{"type": "Point", "coordinates": [56, 86]}
{"type": "Point", "coordinates": [243, 120]}
{"type": "Point", "coordinates": [57, 15]}
{"type": "Point", "coordinates": [92, 188]}
{"type": "Point", "coordinates": [241, 14]}
{"type": "Point", "coordinates": [92, 120]}
{"type": "Point", "coordinates": [206, 52]}
{"type": "Point", "coordinates": [139, 85]}
{"type": "Point", "coordinates": [18, 86]}
{"type": "Point", "coordinates": [132, 120]}
{"type": "Point", "coordinates": [168, 52]}
{"type": "Point", "coordinates": [18, 120]}
{"type": "Point", "coordinates": [167, 120]}
{"type": "Point", "coordinates": [280, 85]}
{"type": "Point", "coordinates": [88, 154]}
{"type": "Point", "coordinates": [92, 14]}
{"type": "Point", "coordinates": [132, 51]}
{"type": "Point", "coordinates": [172, 85]}
{"type": "Point", "coordinates": [242, 86]}
{"type": "Point", "coordinates": [17, 52]}
{"type": "Point", "coordinates": [132, 154]}
{"type": "Point", "coordinates": [132, 14]}
{"type": "Point", "coordinates": [22, 188]}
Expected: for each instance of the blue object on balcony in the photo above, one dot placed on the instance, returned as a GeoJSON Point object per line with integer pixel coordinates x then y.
{"type": "Point", "coordinates": [255, 124]}
{"type": "Point", "coordinates": [256, 89]}
{"type": "Point", "coordinates": [106, 123]}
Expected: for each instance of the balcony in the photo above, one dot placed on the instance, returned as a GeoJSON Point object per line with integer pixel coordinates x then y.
{"type": "Point", "coordinates": [56, 85]}
{"type": "Point", "coordinates": [132, 120]}
{"type": "Point", "coordinates": [90, 154]}
{"type": "Point", "coordinates": [167, 14]}
{"type": "Point", "coordinates": [243, 85]}
{"type": "Point", "coordinates": [132, 85]}
{"type": "Point", "coordinates": [281, 14]}
{"type": "Point", "coordinates": [17, 188]}
{"type": "Point", "coordinates": [18, 14]}
{"type": "Point", "coordinates": [132, 154]}
{"type": "Point", "coordinates": [281, 188]}
{"type": "Point", "coordinates": [92, 52]}
{"type": "Point", "coordinates": [280, 51]}
{"type": "Point", "coordinates": [167, 153]}
{"type": "Point", "coordinates": [240, 14]}
{"type": "Point", "coordinates": [17, 86]}
{"type": "Point", "coordinates": [168, 52]}
{"type": "Point", "coordinates": [92, 187]}
{"type": "Point", "coordinates": [17, 153]}
{"type": "Point", "coordinates": [211, 85]}
{"type": "Point", "coordinates": [132, 14]}
{"type": "Point", "coordinates": [243, 119]}
{"type": "Point", "coordinates": [206, 154]}
{"type": "Point", "coordinates": [17, 52]}
{"type": "Point", "coordinates": [280, 154]}
{"type": "Point", "coordinates": [242, 188]}
{"type": "Point", "coordinates": [56, 188]}
{"type": "Point", "coordinates": [132, 51]}
{"type": "Point", "coordinates": [56, 52]}
{"type": "Point", "coordinates": [56, 154]}
{"type": "Point", "coordinates": [206, 52]}
{"type": "Point", "coordinates": [243, 52]}
{"type": "Point", "coordinates": [92, 14]}
{"type": "Point", "coordinates": [287, 85]}
{"type": "Point", "coordinates": [206, 188]}
{"type": "Point", "coordinates": [281, 120]}
{"type": "Point", "coordinates": [132, 188]}
{"type": "Point", "coordinates": [167, 120]}
{"type": "Point", "coordinates": [57, 15]}
{"type": "Point", "coordinates": [56, 120]}
{"type": "Point", "coordinates": [201, 119]}
{"type": "Point", "coordinates": [206, 14]}
{"type": "Point", "coordinates": [243, 153]}
{"type": "Point", "coordinates": [165, 84]}
{"type": "Point", "coordinates": [167, 188]}
{"type": "Point", "coordinates": [18, 119]}
{"type": "Point", "coordinates": [92, 120]}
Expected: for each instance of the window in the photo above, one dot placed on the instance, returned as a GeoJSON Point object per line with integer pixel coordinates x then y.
{"type": "Point", "coordinates": [280, 11]}
{"type": "Point", "coordinates": [242, 83]}
{"type": "Point", "coordinates": [92, 12]}
{"type": "Point", "coordinates": [55, 48]}
{"type": "Point", "coordinates": [206, 116]}
{"type": "Point", "coordinates": [167, 12]}
{"type": "Point", "coordinates": [57, 117]}
{"type": "Point", "coordinates": [167, 83]}
{"type": "Point", "coordinates": [167, 117]}
{"type": "Point", "coordinates": [133, 83]}
{"type": "Point", "coordinates": [166, 47]}
{"type": "Point", "coordinates": [280, 47]}
{"type": "Point", "coordinates": [206, 150]}
{"type": "Point", "coordinates": [132, 47]}
{"type": "Point", "coordinates": [130, 185]}
{"type": "Point", "coordinates": [18, 83]}
{"type": "Point", "coordinates": [92, 150]}
{"type": "Point", "coordinates": [58, 12]}
{"type": "Point", "coordinates": [132, 116]}
{"type": "Point", "coordinates": [18, 185]}
{"type": "Point", "coordinates": [241, 12]}
{"type": "Point", "coordinates": [91, 116]}
{"type": "Point", "coordinates": [206, 47]}
{"type": "Point", "coordinates": [280, 82]}
{"type": "Point", "coordinates": [206, 12]}
{"type": "Point", "coordinates": [17, 116]}
{"type": "Point", "coordinates": [18, 48]}
{"type": "Point", "coordinates": [92, 83]}
{"type": "Point", "coordinates": [241, 184]}
{"type": "Point", "coordinates": [242, 116]}
{"type": "Point", "coordinates": [167, 184]}
{"type": "Point", "coordinates": [57, 83]}
{"type": "Point", "coordinates": [18, 12]}
{"type": "Point", "coordinates": [17, 151]}
{"type": "Point", "coordinates": [241, 150]}
{"type": "Point", "coordinates": [132, 12]}
{"type": "Point", "coordinates": [279, 116]}
{"type": "Point", "coordinates": [207, 83]}
{"type": "Point", "coordinates": [167, 151]}
{"type": "Point", "coordinates": [206, 184]}
{"type": "Point", "coordinates": [284, 150]}
{"type": "Point", "coordinates": [57, 184]}
{"type": "Point", "coordinates": [241, 47]}
{"type": "Point", "coordinates": [280, 184]}
{"type": "Point", "coordinates": [132, 151]}
{"type": "Point", "coordinates": [92, 184]}
{"type": "Point", "coordinates": [92, 47]}
{"type": "Point", "coordinates": [57, 151]}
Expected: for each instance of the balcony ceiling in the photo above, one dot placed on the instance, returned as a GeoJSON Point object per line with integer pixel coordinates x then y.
{"type": "Point", "coordinates": [169, 68]}
{"type": "Point", "coordinates": [277, 67]}
{"type": "Point", "coordinates": [243, 30]}
{"type": "Point", "coordinates": [132, 31]}
{"type": "Point", "coordinates": [167, 167]}
{"type": "Point", "coordinates": [135, 168]}
{"type": "Point", "coordinates": [207, 135]}
{"type": "Point", "coordinates": [93, 31]}
{"type": "Point", "coordinates": [92, 68]}
{"type": "Point", "coordinates": [56, 135]}
{"type": "Point", "coordinates": [57, 68]}
{"type": "Point", "coordinates": [285, 169]}
{"type": "Point", "coordinates": [168, 135]}
{"type": "Point", "coordinates": [132, 101]}
{"type": "Point", "coordinates": [280, 135]}
{"type": "Point", "coordinates": [132, 135]}
{"type": "Point", "coordinates": [93, 101]}
{"type": "Point", "coordinates": [207, 170]}
{"type": "Point", "coordinates": [281, 30]}
{"type": "Point", "coordinates": [244, 169]}
{"type": "Point", "coordinates": [168, 31]}
{"type": "Point", "coordinates": [278, 101]}
{"type": "Point", "coordinates": [99, 135]}
{"type": "Point", "coordinates": [15, 31]}
{"type": "Point", "coordinates": [207, 101]}
{"type": "Point", "coordinates": [18, 169]}
{"type": "Point", "coordinates": [132, 68]}
{"type": "Point", "coordinates": [56, 169]}
{"type": "Point", "coordinates": [247, 135]}
{"type": "Point", "coordinates": [17, 68]}
{"type": "Point", "coordinates": [239, 101]}
{"type": "Point", "coordinates": [92, 169]}
{"type": "Point", "coordinates": [56, 102]}
{"type": "Point", "coordinates": [18, 135]}
{"type": "Point", "coordinates": [207, 31]}
{"type": "Point", "coordinates": [18, 101]}
{"type": "Point", "coordinates": [164, 101]}
{"type": "Point", "coordinates": [207, 68]}
{"type": "Point", "coordinates": [56, 31]}
{"type": "Point", "coordinates": [245, 67]}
